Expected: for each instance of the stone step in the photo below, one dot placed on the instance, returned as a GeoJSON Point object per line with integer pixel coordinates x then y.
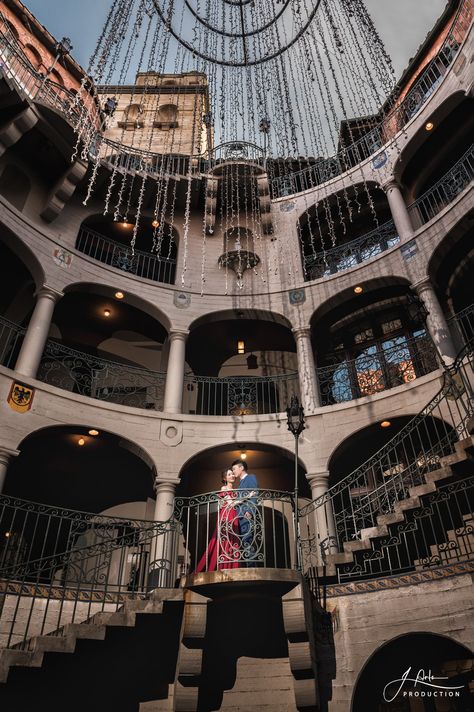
{"type": "Point", "coordinates": [261, 684]}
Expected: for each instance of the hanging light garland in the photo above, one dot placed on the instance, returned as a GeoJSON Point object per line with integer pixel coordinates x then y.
{"type": "Point", "coordinates": [297, 68]}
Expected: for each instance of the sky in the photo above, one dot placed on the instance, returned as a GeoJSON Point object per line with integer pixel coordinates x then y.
{"type": "Point", "coordinates": [403, 24]}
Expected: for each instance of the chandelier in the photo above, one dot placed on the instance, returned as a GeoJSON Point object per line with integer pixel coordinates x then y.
{"type": "Point", "coordinates": [201, 106]}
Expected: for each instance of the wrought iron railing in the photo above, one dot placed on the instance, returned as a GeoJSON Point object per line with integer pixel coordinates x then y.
{"type": "Point", "coordinates": [462, 326]}
{"type": "Point", "coordinates": [381, 366]}
{"type": "Point", "coordinates": [11, 338]}
{"type": "Point", "coordinates": [237, 529]}
{"type": "Point", "coordinates": [239, 395]}
{"type": "Point", "coordinates": [444, 191]}
{"type": "Point", "coordinates": [60, 566]}
{"type": "Point", "coordinates": [100, 378]}
{"type": "Point", "coordinates": [142, 264]}
{"type": "Point", "coordinates": [390, 124]}
{"type": "Point", "coordinates": [341, 257]}
{"type": "Point", "coordinates": [352, 506]}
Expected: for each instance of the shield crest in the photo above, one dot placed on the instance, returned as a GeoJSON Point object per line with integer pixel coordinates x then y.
{"type": "Point", "coordinates": [20, 397]}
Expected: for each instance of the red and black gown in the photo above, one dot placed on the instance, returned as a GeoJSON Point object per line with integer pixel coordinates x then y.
{"type": "Point", "coordinates": [225, 541]}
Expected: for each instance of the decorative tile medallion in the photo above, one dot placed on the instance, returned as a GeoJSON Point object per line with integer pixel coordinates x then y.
{"type": "Point", "coordinates": [297, 296]}
{"type": "Point", "coordinates": [182, 300]}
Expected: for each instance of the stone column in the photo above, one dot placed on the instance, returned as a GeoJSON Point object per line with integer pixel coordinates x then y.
{"type": "Point", "coordinates": [164, 545]}
{"type": "Point", "coordinates": [175, 374]}
{"type": "Point", "coordinates": [436, 321]}
{"type": "Point", "coordinates": [324, 515]}
{"type": "Point", "coordinates": [398, 209]}
{"type": "Point", "coordinates": [306, 370]}
{"type": "Point", "coordinates": [6, 456]}
{"type": "Point", "coordinates": [31, 350]}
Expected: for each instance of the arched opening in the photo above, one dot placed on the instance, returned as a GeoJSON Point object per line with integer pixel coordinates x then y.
{"type": "Point", "coordinates": [167, 117]}
{"type": "Point", "coordinates": [270, 504]}
{"type": "Point", "coordinates": [55, 76]}
{"type": "Point", "coordinates": [15, 186]}
{"type": "Point", "coordinates": [330, 243]}
{"type": "Point", "coordinates": [441, 167]}
{"type": "Point", "coordinates": [131, 118]}
{"type": "Point", "coordinates": [449, 663]}
{"type": "Point", "coordinates": [249, 365]}
{"type": "Point", "coordinates": [106, 473]}
{"type": "Point", "coordinates": [108, 241]}
{"type": "Point", "coordinates": [369, 341]}
{"type": "Point", "coordinates": [451, 270]}
{"type": "Point", "coordinates": [33, 55]}
{"type": "Point", "coordinates": [106, 348]}
{"type": "Point", "coordinates": [21, 275]}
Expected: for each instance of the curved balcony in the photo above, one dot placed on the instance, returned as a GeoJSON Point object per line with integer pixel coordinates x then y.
{"type": "Point", "coordinates": [380, 366]}
{"type": "Point", "coordinates": [390, 123]}
{"type": "Point", "coordinates": [440, 195]}
{"type": "Point", "coordinates": [368, 246]}
{"type": "Point", "coordinates": [352, 253]}
{"type": "Point", "coordinates": [142, 264]}
{"type": "Point", "coordinates": [239, 395]}
{"type": "Point", "coordinates": [38, 88]}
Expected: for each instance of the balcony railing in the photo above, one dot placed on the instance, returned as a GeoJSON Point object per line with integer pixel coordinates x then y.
{"type": "Point", "coordinates": [11, 338]}
{"type": "Point", "coordinates": [352, 253]}
{"type": "Point", "coordinates": [96, 377]}
{"type": "Point", "coordinates": [218, 535]}
{"type": "Point", "coordinates": [381, 366]}
{"type": "Point", "coordinates": [239, 395]}
{"type": "Point", "coordinates": [444, 191]}
{"type": "Point", "coordinates": [60, 566]}
{"type": "Point", "coordinates": [462, 326]}
{"type": "Point", "coordinates": [350, 508]}
{"type": "Point", "coordinates": [141, 264]}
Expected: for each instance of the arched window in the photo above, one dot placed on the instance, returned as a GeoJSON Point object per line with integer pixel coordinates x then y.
{"type": "Point", "coordinates": [34, 56]}
{"type": "Point", "coordinates": [56, 77]}
{"type": "Point", "coordinates": [131, 117]}
{"type": "Point", "coordinates": [166, 117]}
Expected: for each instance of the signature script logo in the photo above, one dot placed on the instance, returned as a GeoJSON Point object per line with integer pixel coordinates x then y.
{"type": "Point", "coordinates": [422, 680]}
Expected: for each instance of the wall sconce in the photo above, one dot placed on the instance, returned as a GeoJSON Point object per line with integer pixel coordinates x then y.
{"type": "Point", "coordinates": [240, 347]}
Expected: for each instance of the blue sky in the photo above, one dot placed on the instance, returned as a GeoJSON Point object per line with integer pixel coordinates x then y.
{"type": "Point", "coordinates": [403, 24]}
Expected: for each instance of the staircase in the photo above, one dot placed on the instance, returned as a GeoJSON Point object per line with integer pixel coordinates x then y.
{"type": "Point", "coordinates": [424, 543]}
{"type": "Point", "coordinates": [113, 661]}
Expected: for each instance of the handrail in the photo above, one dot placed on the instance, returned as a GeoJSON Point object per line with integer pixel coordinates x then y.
{"type": "Point", "coordinates": [385, 478]}
{"type": "Point", "coordinates": [136, 159]}
{"type": "Point", "coordinates": [342, 257]}
{"type": "Point", "coordinates": [147, 265]}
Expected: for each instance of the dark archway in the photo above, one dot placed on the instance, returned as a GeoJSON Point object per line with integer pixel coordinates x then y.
{"type": "Point", "coordinates": [54, 468]}
{"type": "Point", "coordinates": [421, 653]}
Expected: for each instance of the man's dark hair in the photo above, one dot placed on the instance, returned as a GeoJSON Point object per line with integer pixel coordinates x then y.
{"type": "Point", "coordinates": [241, 462]}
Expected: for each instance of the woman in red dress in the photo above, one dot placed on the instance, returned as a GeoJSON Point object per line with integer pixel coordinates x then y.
{"type": "Point", "coordinates": [223, 550]}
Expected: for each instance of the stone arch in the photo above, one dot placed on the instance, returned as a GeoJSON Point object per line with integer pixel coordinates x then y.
{"type": "Point", "coordinates": [24, 253]}
{"type": "Point", "coordinates": [418, 651]}
{"type": "Point", "coordinates": [53, 468]}
{"type": "Point", "coordinates": [34, 56]}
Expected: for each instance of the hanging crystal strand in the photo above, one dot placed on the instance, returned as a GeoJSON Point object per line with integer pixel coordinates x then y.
{"type": "Point", "coordinates": [120, 197]}
{"type": "Point", "coordinates": [187, 212]}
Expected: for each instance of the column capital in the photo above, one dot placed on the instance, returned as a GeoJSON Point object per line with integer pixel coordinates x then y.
{"type": "Point", "coordinates": [164, 486]}
{"type": "Point", "coordinates": [318, 479]}
{"type": "Point", "coordinates": [7, 454]}
{"type": "Point", "coordinates": [302, 332]}
{"type": "Point", "coordinates": [390, 184]}
{"type": "Point", "coordinates": [178, 334]}
{"type": "Point", "coordinates": [49, 293]}
{"type": "Point", "coordinates": [422, 284]}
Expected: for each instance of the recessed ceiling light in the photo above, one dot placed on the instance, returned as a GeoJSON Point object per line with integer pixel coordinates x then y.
{"type": "Point", "coordinates": [81, 441]}
{"type": "Point", "coordinates": [107, 312]}
{"type": "Point", "coordinates": [429, 126]}
{"type": "Point", "coordinates": [385, 424]}
{"type": "Point", "coordinates": [119, 295]}
{"type": "Point", "coordinates": [93, 432]}
{"type": "Point", "coordinates": [243, 455]}
{"type": "Point", "coordinates": [155, 223]}
{"type": "Point", "coordinates": [358, 289]}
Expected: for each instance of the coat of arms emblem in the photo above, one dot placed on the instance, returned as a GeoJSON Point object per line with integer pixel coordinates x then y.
{"type": "Point", "coordinates": [20, 397]}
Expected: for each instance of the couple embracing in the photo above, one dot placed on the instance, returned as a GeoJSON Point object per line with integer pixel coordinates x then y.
{"type": "Point", "coordinates": [233, 543]}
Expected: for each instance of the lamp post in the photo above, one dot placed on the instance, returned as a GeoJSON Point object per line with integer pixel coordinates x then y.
{"type": "Point", "coordinates": [295, 421]}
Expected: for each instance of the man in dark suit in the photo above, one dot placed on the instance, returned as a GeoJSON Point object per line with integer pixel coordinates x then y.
{"type": "Point", "coordinates": [247, 509]}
